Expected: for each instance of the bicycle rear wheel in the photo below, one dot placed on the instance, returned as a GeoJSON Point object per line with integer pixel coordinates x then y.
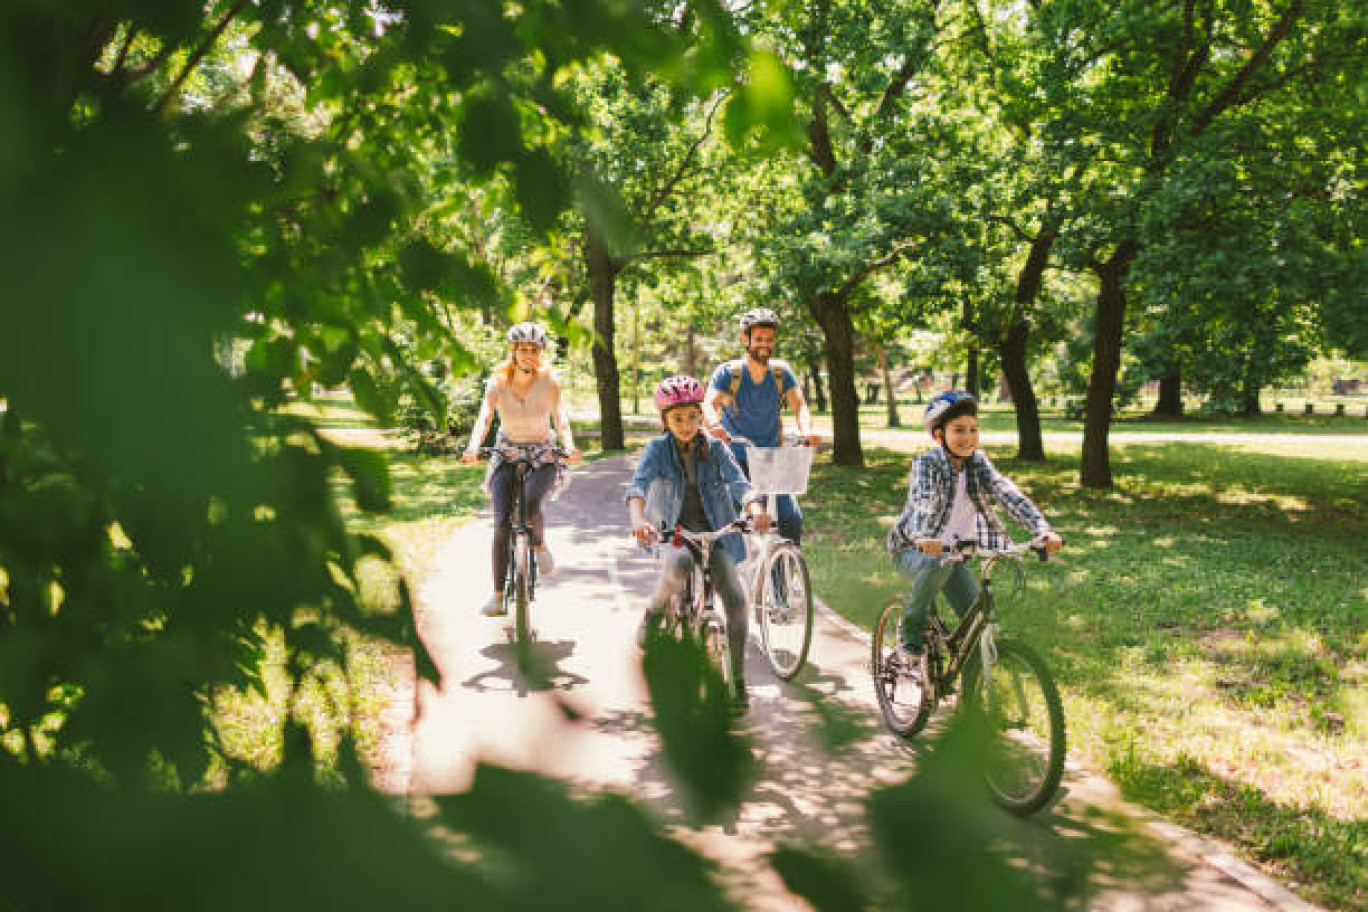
{"type": "Point", "coordinates": [785, 610]}
{"type": "Point", "coordinates": [1020, 703]}
{"type": "Point", "coordinates": [902, 683]}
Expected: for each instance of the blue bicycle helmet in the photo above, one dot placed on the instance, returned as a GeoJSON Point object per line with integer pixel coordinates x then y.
{"type": "Point", "coordinates": [947, 405]}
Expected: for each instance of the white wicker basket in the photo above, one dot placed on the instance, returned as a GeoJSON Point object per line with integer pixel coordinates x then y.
{"type": "Point", "coordinates": [779, 470]}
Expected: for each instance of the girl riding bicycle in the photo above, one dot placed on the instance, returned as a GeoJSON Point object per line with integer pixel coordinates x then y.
{"type": "Point", "coordinates": [693, 480]}
{"type": "Point", "coordinates": [527, 399]}
{"type": "Point", "coordinates": [949, 499]}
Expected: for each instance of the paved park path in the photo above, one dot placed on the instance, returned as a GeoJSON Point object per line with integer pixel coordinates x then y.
{"type": "Point", "coordinates": [586, 616]}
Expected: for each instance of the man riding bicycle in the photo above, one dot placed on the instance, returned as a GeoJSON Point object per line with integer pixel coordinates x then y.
{"type": "Point", "coordinates": [745, 397]}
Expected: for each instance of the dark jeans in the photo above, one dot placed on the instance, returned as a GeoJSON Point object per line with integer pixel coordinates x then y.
{"type": "Point", "coordinates": [677, 564]}
{"type": "Point", "coordinates": [536, 484]}
{"type": "Point", "coordinates": [790, 516]}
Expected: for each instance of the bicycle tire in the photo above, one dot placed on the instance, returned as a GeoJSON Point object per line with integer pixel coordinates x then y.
{"type": "Point", "coordinates": [904, 693]}
{"type": "Point", "coordinates": [522, 623]}
{"type": "Point", "coordinates": [1026, 721]}
{"type": "Point", "coordinates": [718, 652]}
{"type": "Point", "coordinates": [785, 617]}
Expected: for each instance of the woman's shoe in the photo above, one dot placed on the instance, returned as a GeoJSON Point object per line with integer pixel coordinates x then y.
{"type": "Point", "coordinates": [495, 606]}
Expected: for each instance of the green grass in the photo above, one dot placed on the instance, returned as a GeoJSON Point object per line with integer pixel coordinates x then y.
{"type": "Point", "coordinates": [1207, 626]}
{"type": "Point", "coordinates": [1000, 417]}
{"type": "Point", "coordinates": [432, 497]}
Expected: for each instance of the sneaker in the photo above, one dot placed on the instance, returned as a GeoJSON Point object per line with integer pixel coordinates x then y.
{"type": "Point", "coordinates": [546, 564]}
{"type": "Point", "coordinates": [494, 607]}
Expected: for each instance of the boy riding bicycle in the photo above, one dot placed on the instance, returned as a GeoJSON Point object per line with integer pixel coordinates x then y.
{"type": "Point", "coordinates": [949, 496]}
{"type": "Point", "coordinates": [691, 479]}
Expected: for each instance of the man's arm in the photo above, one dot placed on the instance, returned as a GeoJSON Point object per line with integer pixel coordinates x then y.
{"type": "Point", "coordinates": [712, 413]}
{"type": "Point", "coordinates": [798, 404]}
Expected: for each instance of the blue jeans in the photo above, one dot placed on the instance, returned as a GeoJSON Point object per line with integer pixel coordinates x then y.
{"type": "Point", "coordinates": [790, 517]}
{"type": "Point", "coordinates": [929, 576]}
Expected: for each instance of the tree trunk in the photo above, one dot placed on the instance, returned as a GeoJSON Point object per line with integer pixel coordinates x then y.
{"type": "Point", "coordinates": [971, 373]}
{"type": "Point", "coordinates": [603, 271]}
{"type": "Point", "coordinates": [812, 356]}
{"type": "Point", "coordinates": [1111, 321]}
{"type": "Point", "coordinates": [831, 314]}
{"type": "Point", "coordinates": [1012, 351]}
{"type": "Point", "coordinates": [1249, 394]}
{"type": "Point", "coordinates": [893, 420]}
{"type": "Point", "coordinates": [1170, 402]}
{"type": "Point", "coordinates": [636, 360]}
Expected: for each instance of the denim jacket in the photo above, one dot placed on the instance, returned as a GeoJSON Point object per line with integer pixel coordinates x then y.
{"type": "Point", "coordinates": [931, 491]}
{"type": "Point", "coordinates": [659, 481]}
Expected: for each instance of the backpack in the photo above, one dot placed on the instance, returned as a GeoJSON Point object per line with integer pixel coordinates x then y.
{"type": "Point", "coordinates": [734, 369]}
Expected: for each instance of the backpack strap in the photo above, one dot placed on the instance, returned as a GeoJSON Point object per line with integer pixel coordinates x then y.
{"type": "Point", "coordinates": [734, 368]}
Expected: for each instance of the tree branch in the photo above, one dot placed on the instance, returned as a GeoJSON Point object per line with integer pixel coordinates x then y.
{"type": "Point", "coordinates": [1230, 95]}
{"type": "Point", "coordinates": [671, 184]}
{"type": "Point", "coordinates": [197, 56]}
{"type": "Point", "coordinates": [874, 266]}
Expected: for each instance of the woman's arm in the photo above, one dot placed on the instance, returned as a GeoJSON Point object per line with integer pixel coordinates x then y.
{"type": "Point", "coordinates": [482, 421]}
{"type": "Point", "coordinates": [561, 420]}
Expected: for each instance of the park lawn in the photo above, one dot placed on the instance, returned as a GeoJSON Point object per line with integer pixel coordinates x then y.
{"type": "Point", "coordinates": [1207, 625]}
{"type": "Point", "coordinates": [432, 497]}
{"type": "Point", "coordinates": [999, 417]}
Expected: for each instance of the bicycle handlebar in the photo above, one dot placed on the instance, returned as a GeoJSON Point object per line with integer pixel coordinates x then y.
{"type": "Point", "coordinates": [522, 451]}
{"type": "Point", "coordinates": [967, 548]}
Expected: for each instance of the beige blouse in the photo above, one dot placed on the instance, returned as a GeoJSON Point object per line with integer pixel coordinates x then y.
{"type": "Point", "coordinates": [526, 420]}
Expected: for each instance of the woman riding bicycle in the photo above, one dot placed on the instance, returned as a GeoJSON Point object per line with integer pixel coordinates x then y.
{"type": "Point", "coordinates": [949, 499]}
{"type": "Point", "coordinates": [527, 399]}
{"type": "Point", "coordinates": [693, 480]}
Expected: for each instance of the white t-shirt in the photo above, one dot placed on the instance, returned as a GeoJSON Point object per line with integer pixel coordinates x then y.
{"type": "Point", "coordinates": [960, 526]}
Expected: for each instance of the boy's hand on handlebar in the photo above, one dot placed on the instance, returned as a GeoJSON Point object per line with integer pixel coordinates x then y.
{"type": "Point", "coordinates": [932, 547]}
{"type": "Point", "coordinates": [645, 533]}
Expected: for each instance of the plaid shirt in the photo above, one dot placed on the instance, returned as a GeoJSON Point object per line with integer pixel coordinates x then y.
{"type": "Point", "coordinates": [931, 492]}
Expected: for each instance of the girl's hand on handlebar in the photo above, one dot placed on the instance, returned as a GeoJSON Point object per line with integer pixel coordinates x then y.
{"type": "Point", "coordinates": [470, 456]}
{"type": "Point", "coordinates": [1052, 541]}
{"type": "Point", "coordinates": [720, 433]}
{"type": "Point", "coordinates": [932, 547]}
{"type": "Point", "coordinates": [574, 454]}
{"type": "Point", "coordinates": [646, 534]}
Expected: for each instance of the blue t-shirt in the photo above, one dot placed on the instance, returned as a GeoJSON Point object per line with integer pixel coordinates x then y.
{"type": "Point", "coordinates": [755, 413]}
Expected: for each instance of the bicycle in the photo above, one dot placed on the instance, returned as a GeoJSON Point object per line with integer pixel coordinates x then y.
{"type": "Point", "coordinates": [693, 613]}
{"type": "Point", "coordinates": [779, 584]}
{"type": "Point", "coordinates": [520, 580]}
{"type": "Point", "coordinates": [1004, 680]}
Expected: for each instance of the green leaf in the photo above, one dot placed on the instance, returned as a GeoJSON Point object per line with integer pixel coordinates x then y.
{"type": "Point", "coordinates": [490, 133]}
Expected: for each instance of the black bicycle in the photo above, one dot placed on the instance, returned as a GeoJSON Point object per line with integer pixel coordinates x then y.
{"type": "Point", "coordinates": [693, 613]}
{"type": "Point", "coordinates": [1003, 679]}
{"type": "Point", "coordinates": [520, 579]}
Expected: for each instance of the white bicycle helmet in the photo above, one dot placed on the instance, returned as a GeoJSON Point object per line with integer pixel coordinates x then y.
{"type": "Point", "coordinates": [530, 333]}
{"type": "Point", "coordinates": [759, 316]}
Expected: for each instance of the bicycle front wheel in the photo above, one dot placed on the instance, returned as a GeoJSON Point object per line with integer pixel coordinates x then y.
{"type": "Point", "coordinates": [522, 623]}
{"type": "Point", "coordinates": [902, 682]}
{"type": "Point", "coordinates": [718, 652]}
{"type": "Point", "coordinates": [785, 610]}
{"type": "Point", "coordinates": [1020, 703]}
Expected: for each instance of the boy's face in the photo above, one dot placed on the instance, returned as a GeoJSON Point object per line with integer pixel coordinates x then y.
{"type": "Point", "coordinates": [684, 421]}
{"type": "Point", "coordinates": [961, 436]}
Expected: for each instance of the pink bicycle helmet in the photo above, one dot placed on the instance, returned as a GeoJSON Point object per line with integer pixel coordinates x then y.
{"type": "Point", "coordinates": [678, 390]}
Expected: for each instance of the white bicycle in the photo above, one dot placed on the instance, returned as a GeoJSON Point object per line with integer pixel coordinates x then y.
{"type": "Point", "coordinates": [774, 570]}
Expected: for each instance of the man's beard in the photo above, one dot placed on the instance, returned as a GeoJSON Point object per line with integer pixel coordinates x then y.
{"type": "Point", "coordinates": [762, 355]}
